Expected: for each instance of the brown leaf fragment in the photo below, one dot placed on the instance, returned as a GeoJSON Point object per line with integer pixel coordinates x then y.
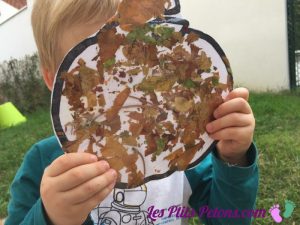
{"type": "Point", "coordinates": [100, 69]}
{"type": "Point", "coordinates": [194, 50]}
{"type": "Point", "coordinates": [177, 37]}
{"type": "Point", "coordinates": [136, 128]}
{"type": "Point", "coordinates": [114, 124]}
{"type": "Point", "coordinates": [100, 131]}
{"type": "Point", "coordinates": [204, 62]}
{"type": "Point", "coordinates": [71, 146]}
{"type": "Point", "coordinates": [141, 54]}
{"type": "Point", "coordinates": [162, 117]}
{"type": "Point", "coordinates": [191, 133]}
{"type": "Point", "coordinates": [91, 99]}
{"type": "Point", "coordinates": [169, 126]}
{"type": "Point", "coordinates": [138, 12]}
{"type": "Point", "coordinates": [151, 144]}
{"type": "Point", "coordinates": [89, 78]}
{"type": "Point", "coordinates": [135, 179]}
{"type": "Point", "coordinates": [153, 98]}
{"type": "Point", "coordinates": [155, 83]}
{"type": "Point", "coordinates": [73, 91]}
{"type": "Point", "coordinates": [182, 105]}
{"type": "Point", "coordinates": [136, 116]}
{"type": "Point", "coordinates": [110, 41]}
{"type": "Point", "coordinates": [90, 146]}
{"type": "Point", "coordinates": [205, 109]}
{"type": "Point", "coordinates": [174, 155]}
{"type": "Point", "coordinates": [122, 74]}
{"type": "Point", "coordinates": [118, 104]}
{"type": "Point", "coordinates": [180, 53]}
{"type": "Point", "coordinates": [192, 37]}
{"type": "Point", "coordinates": [145, 70]}
{"type": "Point", "coordinates": [118, 157]}
{"type": "Point", "coordinates": [101, 100]}
{"type": "Point", "coordinates": [134, 71]}
{"type": "Point", "coordinates": [130, 140]}
{"type": "Point", "coordinates": [180, 160]}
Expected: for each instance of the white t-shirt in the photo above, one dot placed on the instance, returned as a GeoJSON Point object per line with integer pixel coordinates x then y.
{"type": "Point", "coordinates": [158, 199]}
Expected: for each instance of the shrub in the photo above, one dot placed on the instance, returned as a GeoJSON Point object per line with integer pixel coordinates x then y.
{"type": "Point", "coordinates": [22, 84]}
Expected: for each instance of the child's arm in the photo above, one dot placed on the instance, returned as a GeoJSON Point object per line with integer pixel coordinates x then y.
{"type": "Point", "coordinates": [26, 205]}
{"type": "Point", "coordinates": [228, 179]}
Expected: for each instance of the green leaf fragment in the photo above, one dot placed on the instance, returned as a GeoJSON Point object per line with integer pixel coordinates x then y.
{"type": "Point", "coordinates": [215, 81]}
{"type": "Point", "coordinates": [164, 31]}
{"type": "Point", "coordinates": [109, 63]}
{"type": "Point", "coordinates": [141, 34]}
{"type": "Point", "coordinates": [189, 84]}
{"type": "Point", "coordinates": [160, 143]}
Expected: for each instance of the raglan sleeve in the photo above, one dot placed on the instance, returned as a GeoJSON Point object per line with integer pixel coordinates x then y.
{"type": "Point", "coordinates": [218, 188]}
{"type": "Point", "coordinates": [25, 206]}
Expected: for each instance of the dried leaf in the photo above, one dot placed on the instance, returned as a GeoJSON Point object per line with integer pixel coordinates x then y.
{"type": "Point", "coordinates": [181, 159]}
{"type": "Point", "coordinates": [137, 12]}
{"type": "Point", "coordinates": [118, 158]}
{"type": "Point", "coordinates": [204, 62]}
{"type": "Point", "coordinates": [182, 104]}
{"type": "Point", "coordinates": [136, 116]}
{"type": "Point", "coordinates": [192, 37]}
{"type": "Point", "coordinates": [154, 83]}
{"type": "Point", "coordinates": [136, 128]}
{"type": "Point", "coordinates": [110, 42]}
{"type": "Point", "coordinates": [130, 140]}
{"type": "Point", "coordinates": [118, 103]}
{"type": "Point", "coordinates": [101, 100]}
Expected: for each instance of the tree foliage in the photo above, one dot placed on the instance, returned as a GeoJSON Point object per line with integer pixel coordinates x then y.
{"type": "Point", "coordinates": [22, 84]}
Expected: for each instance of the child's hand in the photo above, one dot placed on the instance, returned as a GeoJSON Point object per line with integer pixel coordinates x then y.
{"type": "Point", "coordinates": [73, 185]}
{"type": "Point", "coordinates": [233, 127]}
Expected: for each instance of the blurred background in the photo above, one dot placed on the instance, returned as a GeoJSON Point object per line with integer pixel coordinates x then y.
{"type": "Point", "coordinates": [261, 38]}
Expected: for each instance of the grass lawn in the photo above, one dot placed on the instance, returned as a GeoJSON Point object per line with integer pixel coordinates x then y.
{"type": "Point", "coordinates": [277, 137]}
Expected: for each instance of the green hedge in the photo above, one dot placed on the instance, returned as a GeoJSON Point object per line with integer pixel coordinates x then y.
{"type": "Point", "coordinates": [22, 84]}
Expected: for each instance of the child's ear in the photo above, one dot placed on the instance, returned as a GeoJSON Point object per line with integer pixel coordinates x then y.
{"type": "Point", "coordinates": [48, 78]}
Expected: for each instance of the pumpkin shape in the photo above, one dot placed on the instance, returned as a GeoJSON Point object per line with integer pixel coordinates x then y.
{"type": "Point", "coordinates": [140, 92]}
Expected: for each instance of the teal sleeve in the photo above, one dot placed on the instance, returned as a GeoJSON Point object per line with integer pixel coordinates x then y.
{"type": "Point", "coordinates": [217, 186]}
{"type": "Point", "coordinates": [25, 206]}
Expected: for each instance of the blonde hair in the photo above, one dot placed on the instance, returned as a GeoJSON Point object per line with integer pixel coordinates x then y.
{"type": "Point", "coordinates": [51, 17]}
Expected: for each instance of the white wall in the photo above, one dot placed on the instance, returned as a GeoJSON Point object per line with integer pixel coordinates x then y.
{"type": "Point", "coordinates": [16, 38]}
{"type": "Point", "coordinates": [252, 33]}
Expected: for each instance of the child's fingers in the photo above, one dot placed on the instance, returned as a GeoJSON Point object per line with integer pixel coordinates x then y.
{"type": "Point", "coordinates": [88, 189]}
{"type": "Point", "coordinates": [230, 120]}
{"type": "Point", "coordinates": [239, 105]}
{"type": "Point", "coordinates": [238, 134]}
{"type": "Point", "coordinates": [69, 161]}
{"type": "Point", "coordinates": [238, 93]}
{"type": "Point", "coordinates": [98, 197]}
{"type": "Point", "coordinates": [80, 175]}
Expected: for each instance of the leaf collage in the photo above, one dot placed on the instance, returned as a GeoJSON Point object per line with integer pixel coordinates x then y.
{"type": "Point", "coordinates": [151, 95]}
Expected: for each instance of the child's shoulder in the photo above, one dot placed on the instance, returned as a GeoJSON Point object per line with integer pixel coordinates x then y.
{"type": "Point", "coordinates": [46, 150]}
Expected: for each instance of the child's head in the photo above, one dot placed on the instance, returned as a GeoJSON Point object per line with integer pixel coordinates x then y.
{"type": "Point", "coordinates": [58, 25]}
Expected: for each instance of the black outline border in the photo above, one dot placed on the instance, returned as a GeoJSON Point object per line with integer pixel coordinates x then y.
{"type": "Point", "coordinates": [174, 10]}
{"type": "Point", "coordinates": [76, 51]}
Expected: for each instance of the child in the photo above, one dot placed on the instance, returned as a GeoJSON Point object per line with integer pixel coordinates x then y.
{"type": "Point", "coordinates": [72, 189]}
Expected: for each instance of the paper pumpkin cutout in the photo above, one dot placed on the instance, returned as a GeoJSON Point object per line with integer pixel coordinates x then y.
{"type": "Point", "coordinates": [140, 92]}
